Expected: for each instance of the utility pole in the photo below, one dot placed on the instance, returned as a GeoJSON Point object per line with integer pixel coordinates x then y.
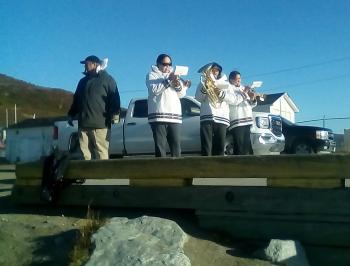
{"type": "Point", "coordinates": [15, 114]}
{"type": "Point", "coordinates": [324, 121]}
{"type": "Point", "coordinates": [7, 118]}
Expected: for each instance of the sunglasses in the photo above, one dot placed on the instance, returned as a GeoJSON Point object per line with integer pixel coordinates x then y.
{"type": "Point", "coordinates": [166, 64]}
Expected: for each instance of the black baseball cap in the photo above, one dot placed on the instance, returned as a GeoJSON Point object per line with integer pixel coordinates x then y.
{"type": "Point", "coordinates": [91, 58]}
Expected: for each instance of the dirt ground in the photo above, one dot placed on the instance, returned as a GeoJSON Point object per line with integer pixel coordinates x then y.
{"type": "Point", "coordinates": [44, 235]}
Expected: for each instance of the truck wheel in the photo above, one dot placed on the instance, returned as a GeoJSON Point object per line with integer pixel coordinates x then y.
{"type": "Point", "coordinates": [301, 147]}
{"type": "Point", "coordinates": [229, 149]}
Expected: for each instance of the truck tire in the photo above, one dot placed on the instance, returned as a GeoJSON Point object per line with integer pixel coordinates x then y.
{"type": "Point", "coordinates": [229, 149]}
{"type": "Point", "coordinates": [302, 147]}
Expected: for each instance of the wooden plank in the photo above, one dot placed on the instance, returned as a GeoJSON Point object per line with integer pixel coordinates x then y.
{"type": "Point", "coordinates": [321, 230]}
{"type": "Point", "coordinates": [158, 182]}
{"type": "Point", "coordinates": [28, 182]}
{"type": "Point", "coordinates": [6, 168]}
{"type": "Point", "coordinates": [306, 183]}
{"type": "Point", "coordinates": [240, 199]}
{"type": "Point", "coordinates": [270, 166]}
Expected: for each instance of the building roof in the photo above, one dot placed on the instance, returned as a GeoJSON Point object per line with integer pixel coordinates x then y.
{"type": "Point", "coordinates": [48, 121]}
{"type": "Point", "coordinates": [38, 122]}
{"type": "Point", "coordinates": [270, 99]}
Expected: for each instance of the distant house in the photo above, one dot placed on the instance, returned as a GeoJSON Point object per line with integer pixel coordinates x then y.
{"type": "Point", "coordinates": [278, 104]}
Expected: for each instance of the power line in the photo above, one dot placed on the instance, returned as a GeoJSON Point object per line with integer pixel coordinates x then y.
{"type": "Point", "coordinates": [300, 67]}
{"type": "Point", "coordinates": [310, 82]}
{"type": "Point", "coordinates": [324, 119]}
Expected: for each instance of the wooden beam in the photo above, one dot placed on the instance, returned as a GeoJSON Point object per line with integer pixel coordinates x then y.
{"type": "Point", "coordinates": [306, 182]}
{"type": "Point", "coordinates": [241, 199]}
{"type": "Point", "coordinates": [269, 166]}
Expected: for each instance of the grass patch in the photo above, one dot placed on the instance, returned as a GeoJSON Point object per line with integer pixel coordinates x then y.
{"type": "Point", "coordinates": [81, 250]}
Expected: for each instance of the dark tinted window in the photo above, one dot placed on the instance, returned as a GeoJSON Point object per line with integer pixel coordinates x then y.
{"type": "Point", "coordinates": [140, 109]}
{"type": "Point", "coordinates": [189, 108]}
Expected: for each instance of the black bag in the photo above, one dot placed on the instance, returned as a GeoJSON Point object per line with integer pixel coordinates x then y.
{"type": "Point", "coordinates": [55, 166]}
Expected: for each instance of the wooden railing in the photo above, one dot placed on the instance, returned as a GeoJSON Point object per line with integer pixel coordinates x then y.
{"type": "Point", "coordinates": [305, 197]}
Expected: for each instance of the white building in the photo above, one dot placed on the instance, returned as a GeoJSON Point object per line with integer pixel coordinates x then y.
{"type": "Point", "coordinates": [278, 104]}
{"type": "Point", "coordinates": [29, 140]}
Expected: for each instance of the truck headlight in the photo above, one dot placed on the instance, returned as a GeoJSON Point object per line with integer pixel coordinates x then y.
{"type": "Point", "coordinates": [262, 122]}
{"type": "Point", "coordinates": [321, 134]}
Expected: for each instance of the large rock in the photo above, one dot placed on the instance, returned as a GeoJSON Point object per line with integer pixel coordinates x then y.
{"type": "Point", "coordinates": [141, 241]}
{"type": "Point", "coordinates": [288, 252]}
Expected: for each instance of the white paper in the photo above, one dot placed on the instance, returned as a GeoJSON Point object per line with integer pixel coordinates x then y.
{"type": "Point", "coordinates": [181, 70]}
{"type": "Point", "coordinates": [256, 84]}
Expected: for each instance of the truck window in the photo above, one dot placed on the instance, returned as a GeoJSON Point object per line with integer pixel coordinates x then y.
{"type": "Point", "coordinates": [140, 109]}
{"type": "Point", "coordinates": [189, 108]}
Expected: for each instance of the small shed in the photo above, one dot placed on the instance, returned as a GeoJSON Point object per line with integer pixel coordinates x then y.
{"type": "Point", "coordinates": [278, 104]}
{"type": "Point", "coordinates": [30, 139]}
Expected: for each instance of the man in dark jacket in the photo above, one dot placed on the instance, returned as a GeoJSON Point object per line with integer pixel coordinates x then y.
{"type": "Point", "coordinates": [96, 104]}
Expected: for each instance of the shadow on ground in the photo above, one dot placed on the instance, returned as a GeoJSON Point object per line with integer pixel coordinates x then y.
{"type": "Point", "coordinates": [53, 250]}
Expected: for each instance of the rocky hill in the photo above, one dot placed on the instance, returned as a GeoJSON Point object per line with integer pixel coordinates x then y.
{"type": "Point", "coordinates": [30, 100]}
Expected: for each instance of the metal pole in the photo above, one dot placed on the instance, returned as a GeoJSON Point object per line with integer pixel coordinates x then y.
{"type": "Point", "coordinates": [324, 121]}
{"type": "Point", "coordinates": [15, 114]}
{"type": "Point", "coordinates": [7, 118]}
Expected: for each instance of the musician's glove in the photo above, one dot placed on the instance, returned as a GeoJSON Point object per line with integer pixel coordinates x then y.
{"type": "Point", "coordinates": [70, 121]}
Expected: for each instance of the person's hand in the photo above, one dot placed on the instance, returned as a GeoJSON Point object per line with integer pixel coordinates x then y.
{"type": "Point", "coordinates": [247, 89]}
{"type": "Point", "coordinates": [70, 121]}
{"type": "Point", "coordinates": [187, 83]}
{"type": "Point", "coordinates": [172, 76]}
{"type": "Point", "coordinates": [115, 119]}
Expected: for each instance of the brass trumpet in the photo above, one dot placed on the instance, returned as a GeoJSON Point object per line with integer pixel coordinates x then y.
{"type": "Point", "coordinates": [175, 83]}
{"type": "Point", "coordinates": [251, 90]}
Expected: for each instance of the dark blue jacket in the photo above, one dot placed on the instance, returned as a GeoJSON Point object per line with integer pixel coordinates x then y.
{"type": "Point", "coordinates": [96, 100]}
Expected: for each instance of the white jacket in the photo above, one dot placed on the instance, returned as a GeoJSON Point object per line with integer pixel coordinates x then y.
{"type": "Point", "coordinates": [227, 97]}
{"type": "Point", "coordinates": [163, 100]}
{"type": "Point", "coordinates": [241, 114]}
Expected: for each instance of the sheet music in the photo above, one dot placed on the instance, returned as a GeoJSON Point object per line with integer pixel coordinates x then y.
{"type": "Point", "coordinates": [256, 84]}
{"type": "Point", "coordinates": [181, 70]}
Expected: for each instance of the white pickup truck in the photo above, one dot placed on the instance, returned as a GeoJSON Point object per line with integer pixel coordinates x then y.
{"type": "Point", "coordinates": [133, 135]}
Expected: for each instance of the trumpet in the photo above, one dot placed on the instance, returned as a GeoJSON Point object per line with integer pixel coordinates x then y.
{"type": "Point", "coordinates": [250, 90]}
{"type": "Point", "coordinates": [253, 94]}
{"type": "Point", "coordinates": [176, 82]}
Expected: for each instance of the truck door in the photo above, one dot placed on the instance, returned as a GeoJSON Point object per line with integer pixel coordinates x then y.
{"type": "Point", "coordinates": [190, 133]}
{"type": "Point", "coordinates": [137, 132]}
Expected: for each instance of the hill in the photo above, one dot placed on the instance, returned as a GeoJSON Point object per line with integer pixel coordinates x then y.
{"type": "Point", "coordinates": [30, 100]}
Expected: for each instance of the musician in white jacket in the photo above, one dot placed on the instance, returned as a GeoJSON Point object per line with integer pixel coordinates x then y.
{"type": "Point", "coordinates": [164, 107]}
{"type": "Point", "coordinates": [241, 116]}
{"type": "Point", "coordinates": [214, 117]}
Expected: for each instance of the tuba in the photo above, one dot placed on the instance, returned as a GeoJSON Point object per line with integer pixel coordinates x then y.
{"type": "Point", "coordinates": [210, 88]}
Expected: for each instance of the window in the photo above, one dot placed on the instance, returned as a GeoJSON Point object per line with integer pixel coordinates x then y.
{"type": "Point", "coordinates": [189, 108]}
{"type": "Point", "coordinates": [140, 109]}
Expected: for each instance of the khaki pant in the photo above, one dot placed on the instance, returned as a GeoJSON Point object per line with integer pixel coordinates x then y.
{"type": "Point", "coordinates": [94, 143]}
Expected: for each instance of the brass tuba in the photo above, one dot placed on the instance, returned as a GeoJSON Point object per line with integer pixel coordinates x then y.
{"type": "Point", "coordinates": [210, 87]}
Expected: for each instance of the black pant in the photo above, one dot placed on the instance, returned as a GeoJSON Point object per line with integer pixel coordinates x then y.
{"type": "Point", "coordinates": [213, 136]}
{"type": "Point", "coordinates": [166, 132]}
{"type": "Point", "coordinates": [241, 138]}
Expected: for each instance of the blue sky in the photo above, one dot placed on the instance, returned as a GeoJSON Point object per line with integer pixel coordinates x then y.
{"type": "Point", "coordinates": [299, 47]}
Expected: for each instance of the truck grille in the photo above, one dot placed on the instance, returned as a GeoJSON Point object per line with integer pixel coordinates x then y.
{"type": "Point", "coordinates": [330, 135]}
{"type": "Point", "coordinates": [276, 125]}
